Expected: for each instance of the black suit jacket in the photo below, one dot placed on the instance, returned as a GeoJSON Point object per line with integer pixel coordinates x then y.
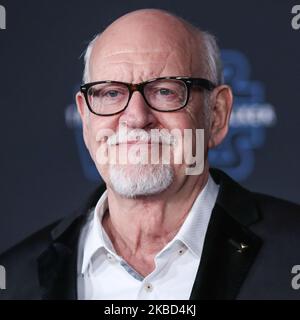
{"type": "Point", "coordinates": [251, 245]}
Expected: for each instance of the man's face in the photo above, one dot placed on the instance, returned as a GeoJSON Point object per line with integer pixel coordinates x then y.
{"type": "Point", "coordinates": [134, 52]}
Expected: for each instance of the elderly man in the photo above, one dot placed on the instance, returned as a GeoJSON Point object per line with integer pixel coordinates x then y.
{"type": "Point", "coordinates": [163, 229]}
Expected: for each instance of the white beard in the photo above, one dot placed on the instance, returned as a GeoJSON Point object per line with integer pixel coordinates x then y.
{"type": "Point", "coordinates": [131, 181]}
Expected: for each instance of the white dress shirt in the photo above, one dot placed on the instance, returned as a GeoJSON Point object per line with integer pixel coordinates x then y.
{"type": "Point", "coordinates": [102, 274]}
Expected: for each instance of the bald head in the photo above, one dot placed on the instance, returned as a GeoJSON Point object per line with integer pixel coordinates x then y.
{"type": "Point", "coordinates": [160, 34]}
{"type": "Point", "coordinates": [146, 30]}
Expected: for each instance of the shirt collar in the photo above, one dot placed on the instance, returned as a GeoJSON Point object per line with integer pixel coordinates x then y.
{"type": "Point", "coordinates": [96, 237]}
{"type": "Point", "coordinates": [191, 233]}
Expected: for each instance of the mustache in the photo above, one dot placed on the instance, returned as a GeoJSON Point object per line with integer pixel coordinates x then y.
{"type": "Point", "coordinates": [140, 135]}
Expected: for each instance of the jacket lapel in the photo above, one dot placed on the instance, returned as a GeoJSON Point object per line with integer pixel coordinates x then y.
{"type": "Point", "coordinates": [229, 250]}
{"type": "Point", "coordinates": [230, 247]}
{"type": "Point", "coordinates": [57, 265]}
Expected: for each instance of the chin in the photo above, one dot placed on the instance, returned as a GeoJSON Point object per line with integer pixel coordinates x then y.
{"type": "Point", "coordinates": [132, 181]}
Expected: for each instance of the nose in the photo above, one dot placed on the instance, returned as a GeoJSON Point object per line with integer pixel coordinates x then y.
{"type": "Point", "coordinates": [138, 114]}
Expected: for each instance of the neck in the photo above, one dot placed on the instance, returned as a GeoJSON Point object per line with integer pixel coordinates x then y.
{"type": "Point", "coordinates": [144, 225]}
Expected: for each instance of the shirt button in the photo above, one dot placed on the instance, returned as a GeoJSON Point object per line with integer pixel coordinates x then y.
{"type": "Point", "coordinates": [148, 287]}
{"type": "Point", "coordinates": [181, 251]}
{"type": "Point", "coordinates": [110, 257]}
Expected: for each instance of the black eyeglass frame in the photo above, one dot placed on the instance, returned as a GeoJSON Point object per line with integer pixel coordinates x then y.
{"type": "Point", "coordinates": [132, 87]}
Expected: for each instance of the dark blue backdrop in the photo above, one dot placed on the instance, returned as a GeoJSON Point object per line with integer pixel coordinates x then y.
{"type": "Point", "coordinates": [45, 170]}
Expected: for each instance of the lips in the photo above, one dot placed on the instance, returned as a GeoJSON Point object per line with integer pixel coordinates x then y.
{"type": "Point", "coordinates": [131, 142]}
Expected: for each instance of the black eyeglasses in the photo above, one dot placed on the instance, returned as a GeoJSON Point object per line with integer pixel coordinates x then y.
{"type": "Point", "coordinates": [167, 94]}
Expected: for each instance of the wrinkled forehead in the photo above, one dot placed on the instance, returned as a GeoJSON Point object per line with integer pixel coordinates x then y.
{"type": "Point", "coordinates": [135, 65]}
{"type": "Point", "coordinates": [160, 48]}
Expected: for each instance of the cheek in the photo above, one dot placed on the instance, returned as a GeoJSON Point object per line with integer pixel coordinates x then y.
{"type": "Point", "coordinates": [197, 117]}
{"type": "Point", "coordinates": [97, 129]}
{"type": "Point", "coordinates": [198, 110]}
{"type": "Point", "coordinates": [182, 119]}
{"type": "Point", "coordinates": [190, 118]}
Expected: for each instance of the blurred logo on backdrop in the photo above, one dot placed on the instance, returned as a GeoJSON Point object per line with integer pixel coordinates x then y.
{"type": "Point", "coordinates": [250, 118]}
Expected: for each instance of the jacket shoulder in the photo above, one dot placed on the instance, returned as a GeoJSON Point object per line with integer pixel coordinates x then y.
{"type": "Point", "coordinates": [20, 265]}
{"type": "Point", "coordinates": [280, 219]}
{"type": "Point", "coordinates": [39, 240]}
{"type": "Point", "coordinates": [27, 249]}
{"type": "Point", "coordinates": [270, 206]}
{"type": "Point", "coordinates": [269, 200]}
{"type": "Point", "coordinates": [270, 277]}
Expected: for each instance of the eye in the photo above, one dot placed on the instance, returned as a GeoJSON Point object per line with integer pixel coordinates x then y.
{"type": "Point", "coordinates": [111, 93]}
{"type": "Point", "coordinates": [165, 92]}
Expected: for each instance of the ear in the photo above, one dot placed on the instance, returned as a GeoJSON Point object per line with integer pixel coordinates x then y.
{"type": "Point", "coordinates": [221, 101]}
{"type": "Point", "coordinates": [83, 112]}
